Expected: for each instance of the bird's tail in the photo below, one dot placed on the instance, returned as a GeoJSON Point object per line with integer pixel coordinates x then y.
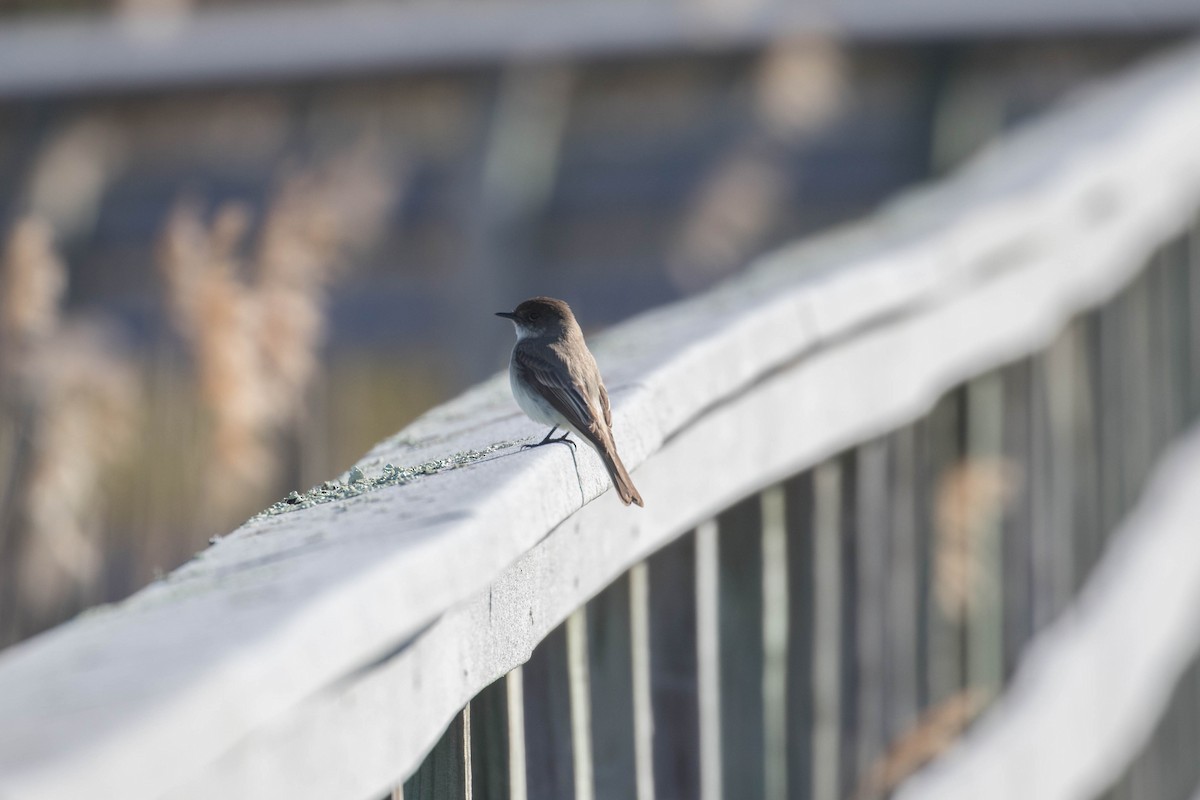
{"type": "Point", "coordinates": [619, 475]}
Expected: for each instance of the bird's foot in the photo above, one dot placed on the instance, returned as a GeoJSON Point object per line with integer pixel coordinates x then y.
{"type": "Point", "coordinates": [559, 440]}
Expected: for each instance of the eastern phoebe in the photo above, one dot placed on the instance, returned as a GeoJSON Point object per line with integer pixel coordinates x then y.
{"type": "Point", "coordinates": [556, 382]}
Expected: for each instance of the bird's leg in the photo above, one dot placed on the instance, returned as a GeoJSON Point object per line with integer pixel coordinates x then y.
{"type": "Point", "coordinates": [560, 440]}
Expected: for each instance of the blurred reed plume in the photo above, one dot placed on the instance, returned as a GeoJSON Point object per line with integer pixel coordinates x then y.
{"type": "Point", "coordinates": [68, 409]}
{"type": "Point", "coordinates": [932, 734]}
{"type": "Point", "coordinates": [33, 282]}
{"type": "Point", "coordinates": [73, 169]}
{"type": "Point", "coordinates": [216, 312]}
{"type": "Point", "coordinates": [88, 417]}
{"type": "Point", "coordinates": [253, 316]}
{"type": "Point", "coordinates": [971, 499]}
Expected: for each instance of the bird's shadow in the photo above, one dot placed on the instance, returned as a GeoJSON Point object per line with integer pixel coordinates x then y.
{"type": "Point", "coordinates": [508, 453]}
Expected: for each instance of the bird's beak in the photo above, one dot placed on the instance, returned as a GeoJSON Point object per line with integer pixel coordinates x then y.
{"type": "Point", "coordinates": [506, 314]}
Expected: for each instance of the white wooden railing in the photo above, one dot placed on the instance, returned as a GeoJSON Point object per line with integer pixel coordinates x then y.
{"type": "Point", "coordinates": [768, 626]}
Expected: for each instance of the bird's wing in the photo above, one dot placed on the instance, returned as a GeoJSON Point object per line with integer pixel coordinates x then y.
{"type": "Point", "coordinates": [605, 407]}
{"type": "Point", "coordinates": [554, 382]}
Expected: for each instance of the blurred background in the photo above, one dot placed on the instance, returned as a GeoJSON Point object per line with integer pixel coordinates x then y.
{"type": "Point", "coordinates": [240, 243]}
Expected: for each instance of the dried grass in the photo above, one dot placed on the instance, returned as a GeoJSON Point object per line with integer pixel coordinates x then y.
{"type": "Point", "coordinates": [254, 316]}
{"type": "Point", "coordinates": [936, 730]}
{"type": "Point", "coordinates": [88, 416]}
{"type": "Point", "coordinates": [32, 284]}
{"type": "Point", "coordinates": [970, 500]}
{"type": "Point", "coordinates": [70, 404]}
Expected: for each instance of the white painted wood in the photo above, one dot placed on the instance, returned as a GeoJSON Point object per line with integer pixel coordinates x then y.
{"type": "Point", "coordinates": [581, 704]}
{"type": "Point", "coordinates": [515, 691]}
{"type": "Point", "coordinates": [827, 631]}
{"type": "Point", "coordinates": [86, 53]}
{"type": "Point", "coordinates": [1092, 686]}
{"type": "Point", "coordinates": [775, 643]}
{"type": "Point", "coordinates": [307, 654]}
{"type": "Point", "coordinates": [643, 709]}
{"type": "Point", "coordinates": [708, 659]}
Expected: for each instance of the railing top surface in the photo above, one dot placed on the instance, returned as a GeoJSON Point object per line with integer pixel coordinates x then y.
{"type": "Point", "coordinates": [123, 52]}
{"type": "Point", "coordinates": [138, 698]}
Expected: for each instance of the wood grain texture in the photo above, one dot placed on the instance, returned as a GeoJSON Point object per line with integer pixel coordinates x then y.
{"type": "Point", "coordinates": [281, 653]}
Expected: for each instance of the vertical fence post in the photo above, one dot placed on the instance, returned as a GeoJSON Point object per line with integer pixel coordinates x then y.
{"type": "Point", "coordinates": [1191, 270]}
{"type": "Point", "coordinates": [490, 748]}
{"type": "Point", "coordinates": [902, 607]}
{"type": "Point", "coordinates": [674, 669]}
{"type": "Point", "coordinates": [871, 586]}
{"type": "Point", "coordinates": [643, 713]}
{"type": "Point", "coordinates": [944, 667]}
{"type": "Point", "coordinates": [985, 610]}
{"type": "Point", "coordinates": [775, 642]}
{"type": "Point", "coordinates": [445, 774]}
{"type": "Point", "coordinates": [740, 626]}
{"type": "Point", "coordinates": [708, 657]}
{"type": "Point", "coordinates": [1087, 429]}
{"type": "Point", "coordinates": [610, 659]}
{"type": "Point", "coordinates": [1016, 545]}
{"type": "Point", "coordinates": [827, 632]}
{"type": "Point", "coordinates": [1062, 405]}
{"type": "Point", "coordinates": [549, 746]}
{"type": "Point", "coordinates": [849, 679]}
{"type": "Point", "coordinates": [1137, 388]}
{"type": "Point", "coordinates": [801, 650]}
{"type": "Point", "coordinates": [578, 680]}
{"type": "Point", "coordinates": [514, 693]}
{"type": "Point", "coordinates": [1107, 365]}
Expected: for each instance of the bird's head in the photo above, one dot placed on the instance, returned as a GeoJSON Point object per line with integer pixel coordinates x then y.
{"type": "Point", "coordinates": [540, 316]}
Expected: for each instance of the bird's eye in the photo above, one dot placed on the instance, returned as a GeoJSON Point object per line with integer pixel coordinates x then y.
{"type": "Point", "coordinates": [534, 315]}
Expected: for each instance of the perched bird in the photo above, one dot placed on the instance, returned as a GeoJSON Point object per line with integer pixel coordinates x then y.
{"type": "Point", "coordinates": [556, 382]}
